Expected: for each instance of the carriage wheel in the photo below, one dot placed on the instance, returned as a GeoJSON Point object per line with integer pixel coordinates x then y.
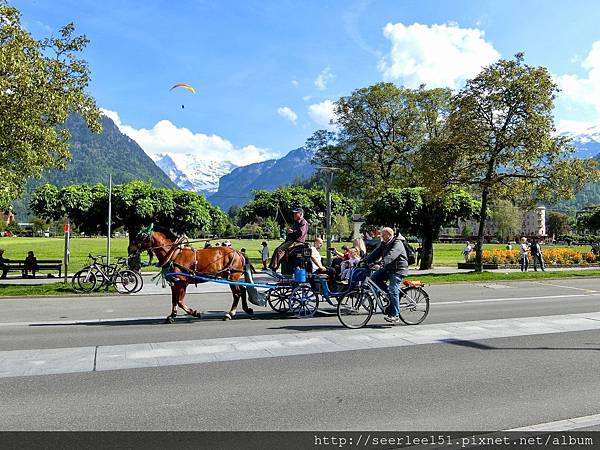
{"type": "Point", "coordinates": [278, 298]}
{"type": "Point", "coordinates": [304, 302]}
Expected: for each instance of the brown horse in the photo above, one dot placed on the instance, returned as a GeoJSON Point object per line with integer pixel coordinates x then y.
{"type": "Point", "coordinates": [173, 256]}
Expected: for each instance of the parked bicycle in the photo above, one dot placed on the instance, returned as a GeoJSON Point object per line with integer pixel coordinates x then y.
{"type": "Point", "coordinates": [101, 275]}
{"type": "Point", "coordinates": [356, 308]}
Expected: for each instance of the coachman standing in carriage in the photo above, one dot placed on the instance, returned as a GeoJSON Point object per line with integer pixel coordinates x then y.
{"type": "Point", "coordinates": [296, 236]}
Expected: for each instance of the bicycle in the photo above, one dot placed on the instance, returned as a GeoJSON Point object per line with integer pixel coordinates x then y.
{"type": "Point", "coordinates": [125, 281]}
{"type": "Point", "coordinates": [356, 308]}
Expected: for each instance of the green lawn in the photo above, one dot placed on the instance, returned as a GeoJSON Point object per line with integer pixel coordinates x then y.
{"type": "Point", "coordinates": [53, 248]}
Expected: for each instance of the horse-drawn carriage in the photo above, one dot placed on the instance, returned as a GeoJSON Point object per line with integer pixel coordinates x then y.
{"type": "Point", "coordinates": [297, 291]}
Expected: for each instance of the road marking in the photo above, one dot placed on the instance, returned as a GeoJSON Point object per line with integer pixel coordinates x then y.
{"type": "Point", "coordinates": [564, 287]}
{"type": "Point", "coordinates": [511, 299]}
{"type": "Point", "coordinates": [563, 425]}
{"type": "Point", "coordinates": [115, 357]}
{"type": "Point", "coordinates": [219, 314]}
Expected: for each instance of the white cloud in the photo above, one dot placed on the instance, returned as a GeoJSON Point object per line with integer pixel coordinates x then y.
{"type": "Point", "coordinates": [165, 137]}
{"type": "Point", "coordinates": [307, 98]}
{"type": "Point", "coordinates": [437, 55]}
{"type": "Point", "coordinates": [324, 77]}
{"type": "Point", "coordinates": [322, 113]}
{"type": "Point", "coordinates": [287, 113]}
{"type": "Point", "coordinates": [582, 92]}
{"type": "Point", "coordinates": [295, 83]}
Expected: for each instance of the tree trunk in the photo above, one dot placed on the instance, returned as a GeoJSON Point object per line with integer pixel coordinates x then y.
{"type": "Point", "coordinates": [479, 245]}
{"type": "Point", "coordinates": [427, 253]}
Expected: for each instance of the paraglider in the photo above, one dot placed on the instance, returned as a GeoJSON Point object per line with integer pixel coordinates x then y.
{"type": "Point", "coordinates": [184, 86]}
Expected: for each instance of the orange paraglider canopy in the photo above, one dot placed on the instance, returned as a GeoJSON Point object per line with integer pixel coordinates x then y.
{"type": "Point", "coordinates": [184, 86]}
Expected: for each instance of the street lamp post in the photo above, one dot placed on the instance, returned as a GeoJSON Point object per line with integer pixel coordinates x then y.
{"type": "Point", "coordinates": [328, 232]}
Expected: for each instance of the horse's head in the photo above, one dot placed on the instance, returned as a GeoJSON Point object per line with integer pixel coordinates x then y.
{"type": "Point", "coordinates": [143, 240]}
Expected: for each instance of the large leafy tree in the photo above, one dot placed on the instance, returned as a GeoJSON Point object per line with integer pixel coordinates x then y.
{"type": "Point", "coordinates": [41, 83]}
{"type": "Point", "coordinates": [557, 224]}
{"type": "Point", "coordinates": [501, 142]}
{"type": "Point", "coordinates": [415, 211]}
{"type": "Point", "coordinates": [507, 218]}
{"type": "Point", "coordinates": [134, 205]}
{"type": "Point", "coordinates": [278, 205]}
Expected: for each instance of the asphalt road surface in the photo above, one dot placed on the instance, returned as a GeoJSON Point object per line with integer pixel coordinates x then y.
{"type": "Point", "coordinates": [490, 356]}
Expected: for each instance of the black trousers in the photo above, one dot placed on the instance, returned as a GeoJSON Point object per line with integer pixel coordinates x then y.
{"type": "Point", "coordinates": [281, 251]}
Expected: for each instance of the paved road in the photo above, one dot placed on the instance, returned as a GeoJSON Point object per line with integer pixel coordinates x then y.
{"type": "Point", "coordinates": [490, 356]}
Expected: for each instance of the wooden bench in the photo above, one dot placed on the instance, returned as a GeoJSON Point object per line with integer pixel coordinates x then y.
{"type": "Point", "coordinates": [42, 264]}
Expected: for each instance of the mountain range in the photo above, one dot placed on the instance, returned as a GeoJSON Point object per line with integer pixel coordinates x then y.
{"type": "Point", "coordinates": [95, 156]}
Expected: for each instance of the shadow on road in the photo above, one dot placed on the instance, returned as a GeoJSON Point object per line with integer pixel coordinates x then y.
{"type": "Point", "coordinates": [479, 346]}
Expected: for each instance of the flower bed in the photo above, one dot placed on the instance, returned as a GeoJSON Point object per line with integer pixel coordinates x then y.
{"type": "Point", "coordinates": [552, 257]}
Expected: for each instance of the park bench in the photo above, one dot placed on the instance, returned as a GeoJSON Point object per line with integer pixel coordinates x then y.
{"type": "Point", "coordinates": [42, 264]}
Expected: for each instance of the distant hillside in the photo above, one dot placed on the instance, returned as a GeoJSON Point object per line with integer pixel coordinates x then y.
{"type": "Point", "coordinates": [95, 156]}
{"type": "Point", "coordinates": [236, 187]}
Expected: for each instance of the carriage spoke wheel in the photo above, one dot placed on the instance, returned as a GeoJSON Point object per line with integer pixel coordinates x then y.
{"type": "Point", "coordinates": [304, 302]}
{"type": "Point", "coordinates": [278, 298]}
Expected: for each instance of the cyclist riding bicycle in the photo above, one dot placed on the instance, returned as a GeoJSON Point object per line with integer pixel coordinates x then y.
{"type": "Point", "coordinates": [394, 267]}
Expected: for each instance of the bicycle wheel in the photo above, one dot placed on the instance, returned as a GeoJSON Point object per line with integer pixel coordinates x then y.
{"type": "Point", "coordinates": [278, 298]}
{"type": "Point", "coordinates": [140, 282]}
{"type": "Point", "coordinates": [414, 305]}
{"type": "Point", "coordinates": [304, 302]}
{"type": "Point", "coordinates": [84, 281]}
{"type": "Point", "coordinates": [356, 308]}
{"type": "Point", "coordinates": [126, 281]}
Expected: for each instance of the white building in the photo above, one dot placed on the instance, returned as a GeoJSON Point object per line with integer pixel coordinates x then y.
{"type": "Point", "coordinates": [534, 225]}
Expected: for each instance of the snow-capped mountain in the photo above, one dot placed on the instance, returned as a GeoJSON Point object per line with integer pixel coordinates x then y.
{"type": "Point", "coordinates": [587, 142]}
{"type": "Point", "coordinates": [193, 172]}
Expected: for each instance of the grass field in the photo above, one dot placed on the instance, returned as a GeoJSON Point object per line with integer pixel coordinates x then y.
{"type": "Point", "coordinates": [445, 255]}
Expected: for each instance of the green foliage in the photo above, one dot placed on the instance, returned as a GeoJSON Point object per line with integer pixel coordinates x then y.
{"type": "Point", "coordinates": [135, 204]}
{"type": "Point", "coordinates": [557, 224]}
{"type": "Point", "coordinates": [500, 141]}
{"type": "Point", "coordinates": [340, 226]}
{"type": "Point", "coordinates": [42, 82]}
{"type": "Point", "coordinates": [507, 218]}
{"type": "Point", "coordinates": [415, 211]}
{"type": "Point", "coordinates": [278, 205]}
{"type": "Point", "coordinates": [271, 228]}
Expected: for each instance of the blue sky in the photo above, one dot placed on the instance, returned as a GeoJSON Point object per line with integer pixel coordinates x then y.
{"type": "Point", "coordinates": [266, 72]}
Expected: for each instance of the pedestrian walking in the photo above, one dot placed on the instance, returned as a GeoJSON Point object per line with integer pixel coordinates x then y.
{"type": "Point", "coordinates": [467, 251]}
{"type": "Point", "coordinates": [264, 254]}
{"type": "Point", "coordinates": [524, 255]}
{"type": "Point", "coordinates": [536, 255]}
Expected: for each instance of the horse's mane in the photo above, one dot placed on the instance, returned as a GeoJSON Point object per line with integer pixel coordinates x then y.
{"type": "Point", "coordinates": [168, 233]}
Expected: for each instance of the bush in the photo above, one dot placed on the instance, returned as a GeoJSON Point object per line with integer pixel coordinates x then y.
{"type": "Point", "coordinates": [551, 257]}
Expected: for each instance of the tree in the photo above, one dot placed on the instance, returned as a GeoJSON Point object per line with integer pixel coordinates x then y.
{"type": "Point", "coordinates": [415, 211]}
{"type": "Point", "coordinates": [589, 221]}
{"type": "Point", "coordinates": [278, 205]}
{"type": "Point", "coordinates": [557, 224]}
{"type": "Point", "coordinates": [507, 218]}
{"type": "Point", "coordinates": [134, 205]}
{"type": "Point", "coordinates": [500, 142]}
{"type": "Point", "coordinates": [41, 83]}
{"type": "Point", "coordinates": [271, 228]}
{"type": "Point", "coordinates": [341, 226]}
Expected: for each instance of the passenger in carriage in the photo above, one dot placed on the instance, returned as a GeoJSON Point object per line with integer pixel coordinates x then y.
{"type": "Point", "coordinates": [317, 263]}
{"type": "Point", "coordinates": [296, 236]}
{"type": "Point", "coordinates": [347, 266]}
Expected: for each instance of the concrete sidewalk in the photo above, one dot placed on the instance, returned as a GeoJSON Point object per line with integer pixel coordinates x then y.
{"type": "Point", "coordinates": [263, 278]}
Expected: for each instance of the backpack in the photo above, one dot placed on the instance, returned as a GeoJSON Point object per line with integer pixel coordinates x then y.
{"type": "Point", "coordinates": [411, 254]}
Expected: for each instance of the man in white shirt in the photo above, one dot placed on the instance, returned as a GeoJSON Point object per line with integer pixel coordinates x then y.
{"type": "Point", "coordinates": [317, 261]}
